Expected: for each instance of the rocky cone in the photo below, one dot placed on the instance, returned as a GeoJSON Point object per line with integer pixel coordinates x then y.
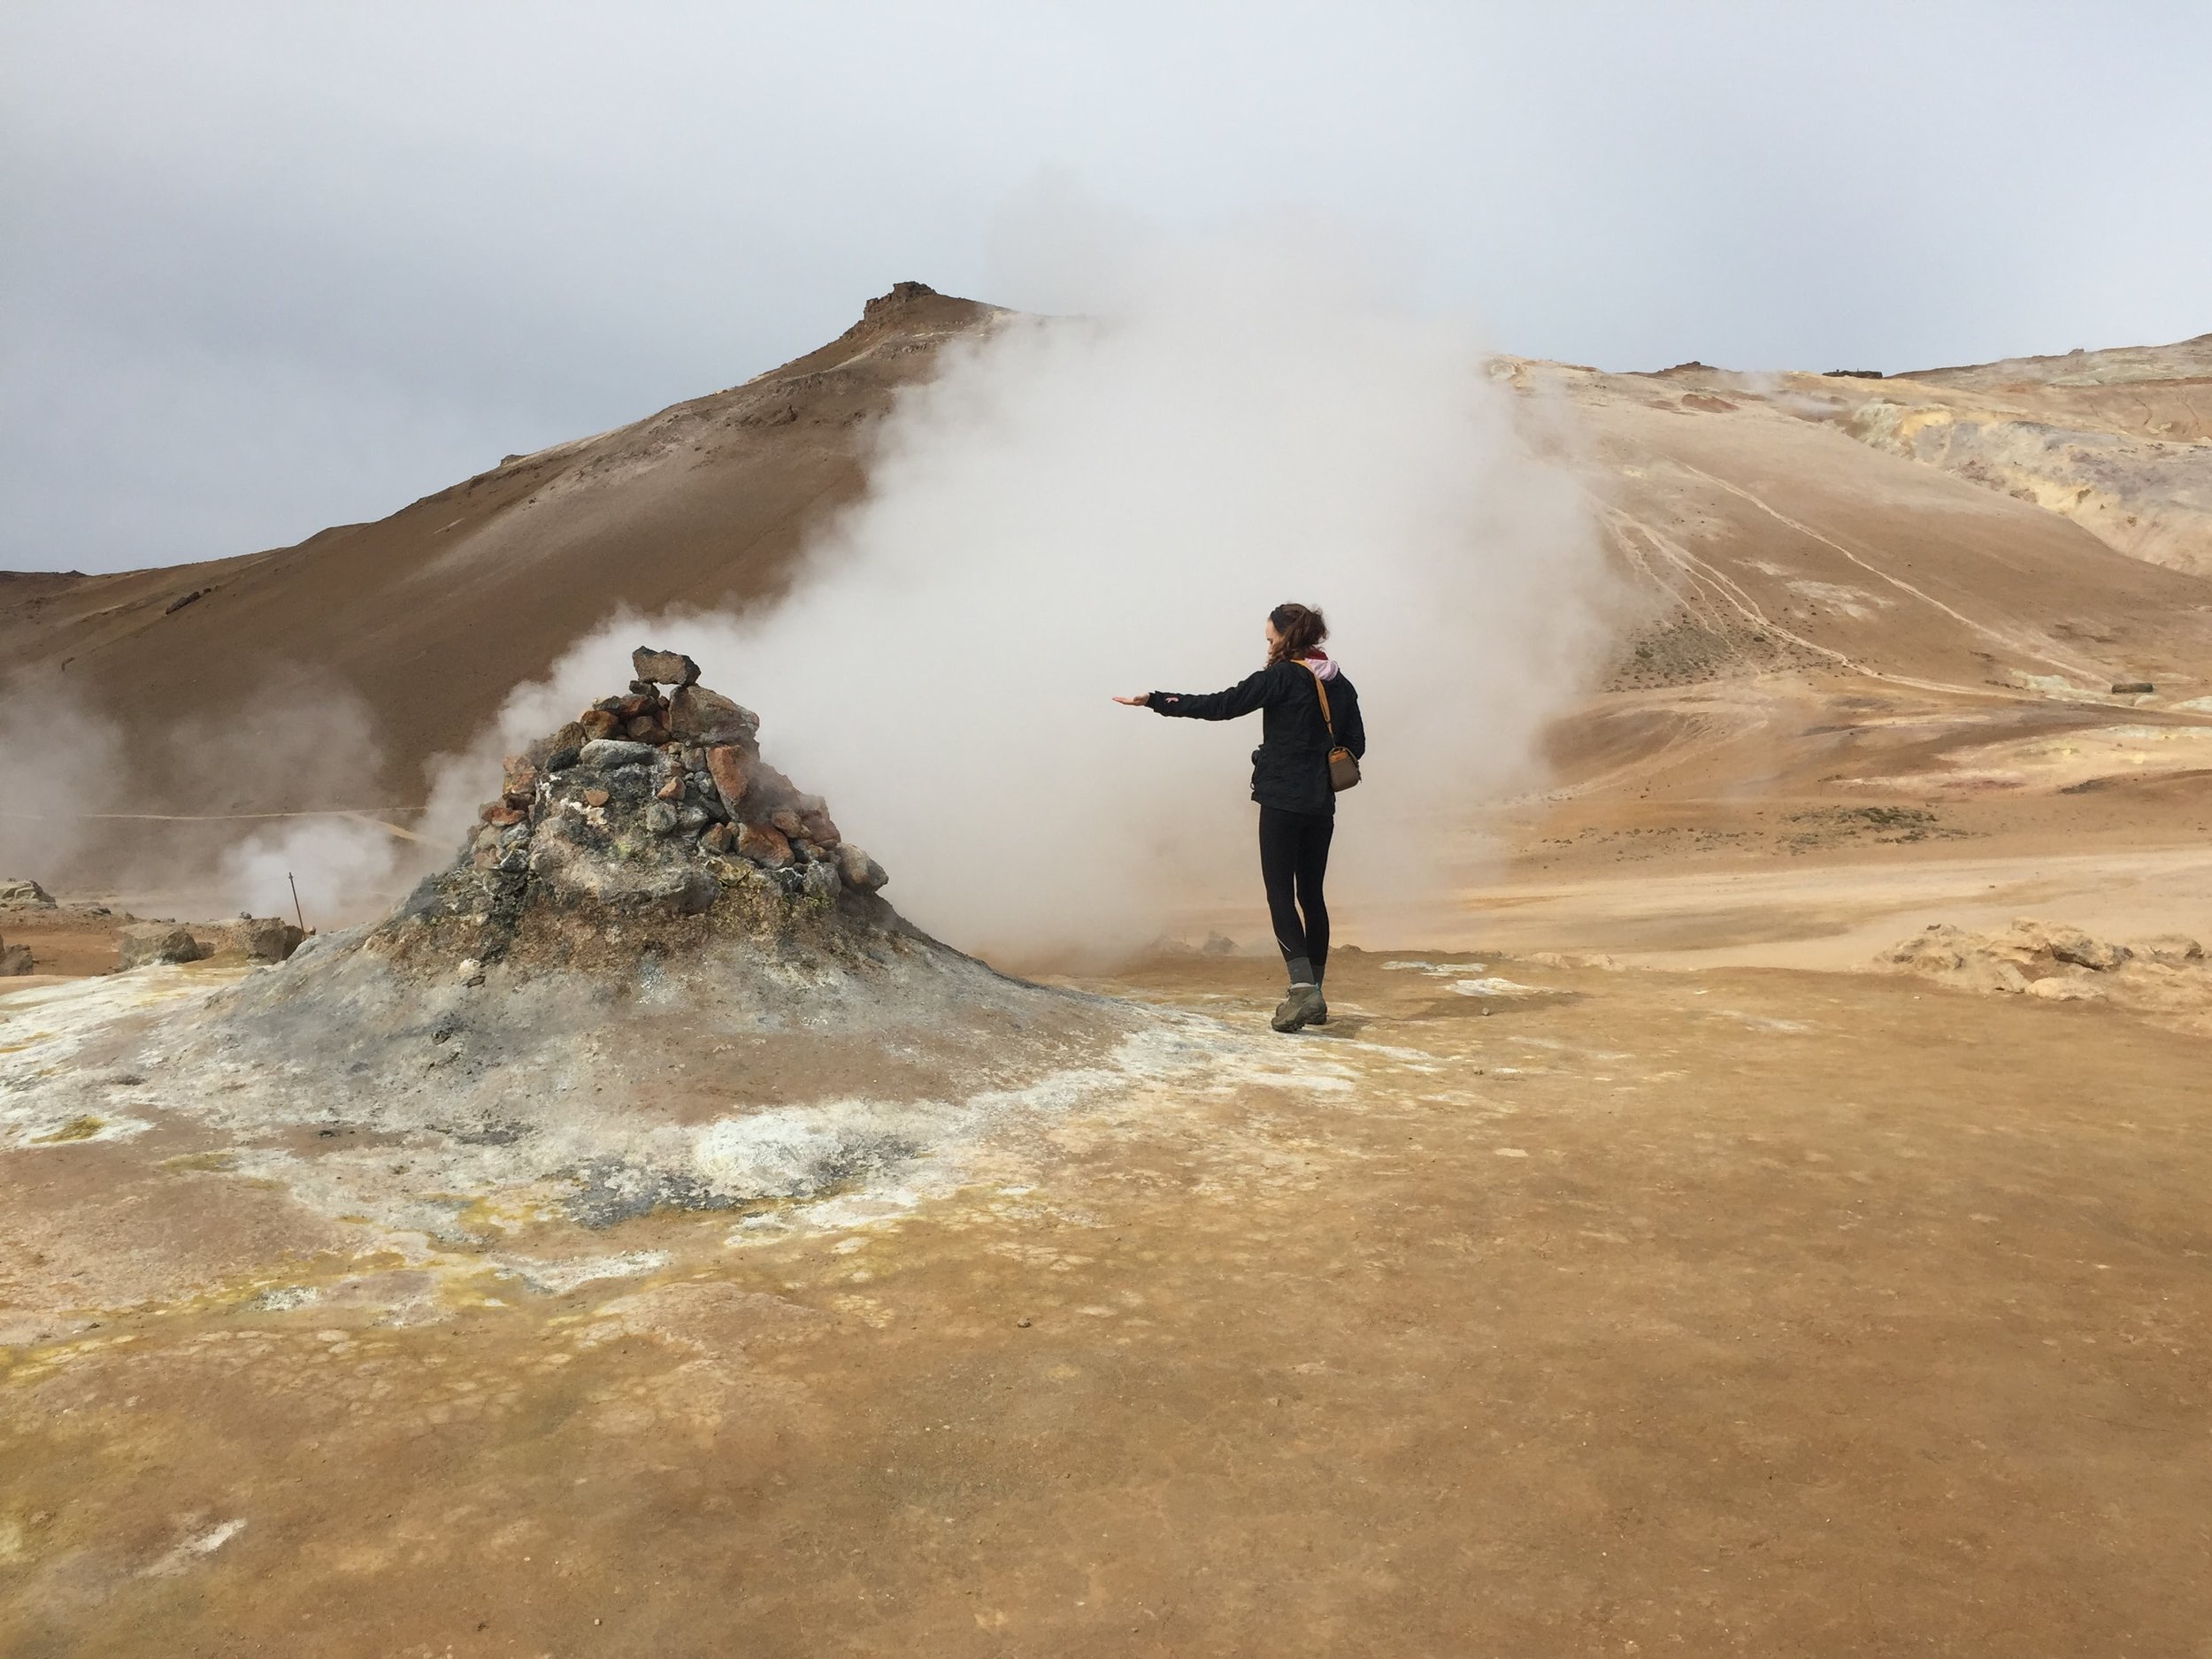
{"type": "Point", "coordinates": [655, 805]}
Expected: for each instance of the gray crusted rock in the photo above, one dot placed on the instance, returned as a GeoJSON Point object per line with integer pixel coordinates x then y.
{"type": "Point", "coordinates": [14, 959]}
{"type": "Point", "coordinates": [698, 894]}
{"type": "Point", "coordinates": [697, 715]}
{"type": "Point", "coordinates": [859, 870]}
{"type": "Point", "coordinates": [22, 890]}
{"type": "Point", "coordinates": [661, 818]}
{"type": "Point", "coordinates": [142, 942]}
{"type": "Point", "coordinates": [820, 883]}
{"type": "Point", "coordinates": [606, 753]}
{"type": "Point", "coordinates": [666, 668]}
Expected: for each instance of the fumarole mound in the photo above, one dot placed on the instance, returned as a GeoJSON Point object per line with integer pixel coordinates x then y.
{"type": "Point", "coordinates": [648, 827]}
{"type": "Point", "coordinates": [656, 975]}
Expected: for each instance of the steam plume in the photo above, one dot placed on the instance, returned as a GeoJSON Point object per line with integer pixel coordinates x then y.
{"type": "Point", "coordinates": [1111, 502]}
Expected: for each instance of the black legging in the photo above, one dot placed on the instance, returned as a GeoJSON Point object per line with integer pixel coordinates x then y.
{"type": "Point", "coordinates": [1293, 861]}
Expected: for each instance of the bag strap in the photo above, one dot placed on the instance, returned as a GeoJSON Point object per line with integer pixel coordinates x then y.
{"type": "Point", "coordinates": [1321, 686]}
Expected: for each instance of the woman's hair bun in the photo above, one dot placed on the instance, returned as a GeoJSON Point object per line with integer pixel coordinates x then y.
{"type": "Point", "coordinates": [1302, 629]}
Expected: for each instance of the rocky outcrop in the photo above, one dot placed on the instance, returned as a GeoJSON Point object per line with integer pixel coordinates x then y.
{"type": "Point", "coordinates": [2167, 977]}
{"type": "Point", "coordinates": [21, 890]}
{"type": "Point", "coordinates": [14, 959]}
{"type": "Point", "coordinates": [646, 823]}
{"type": "Point", "coordinates": [247, 938]}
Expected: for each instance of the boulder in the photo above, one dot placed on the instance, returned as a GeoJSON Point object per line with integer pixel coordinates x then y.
{"type": "Point", "coordinates": [820, 883]}
{"type": "Point", "coordinates": [142, 942]}
{"type": "Point", "coordinates": [697, 715]}
{"type": "Point", "coordinates": [14, 959]}
{"type": "Point", "coordinates": [725, 765]}
{"type": "Point", "coordinates": [597, 723]}
{"type": "Point", "coordinates": [646, 728]}
{"type": "Point", "coordinates": [255, 937]}
{"type": "Point", "coordinates": [859, 870]}
{"type": "Point", "coordinates": [2069, 944]}
{"type": "Point", "coordinates": [819, 827]}
{"type": "Point", "coordinates": [789, 822]}
{"type": "Point", "coordinates": [666, 668]}
{"type": "Point", "coordinates": [23, 891]}
{"type": "Point", "coordinates": [608, 753]}
{"type": "Point", "coordinates": [763, 845]}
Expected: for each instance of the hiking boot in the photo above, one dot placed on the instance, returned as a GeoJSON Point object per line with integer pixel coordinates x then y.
{"type": "Point", "coordinates": [1297, 1010]}
{"type": "Point", "coordinates": [1320, 1015]}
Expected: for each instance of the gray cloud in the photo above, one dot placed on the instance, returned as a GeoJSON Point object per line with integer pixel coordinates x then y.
{"type": "Point", "coordinates": [269, 267]}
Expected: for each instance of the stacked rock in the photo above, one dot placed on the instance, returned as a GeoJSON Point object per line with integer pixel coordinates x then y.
{"type": "Point", "coordinates": [685, 768]}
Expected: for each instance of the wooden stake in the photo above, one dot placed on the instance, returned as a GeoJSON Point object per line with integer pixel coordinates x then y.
{"type": "Point", "coordinates": [295, 902]}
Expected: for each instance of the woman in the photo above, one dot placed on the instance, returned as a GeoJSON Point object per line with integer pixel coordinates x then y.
{"type": "Point", "coordinates": [1290, 780]}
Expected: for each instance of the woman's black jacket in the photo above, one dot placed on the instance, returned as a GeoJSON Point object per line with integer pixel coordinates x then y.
{"type": "Point", "coordinates": [1290, 768]}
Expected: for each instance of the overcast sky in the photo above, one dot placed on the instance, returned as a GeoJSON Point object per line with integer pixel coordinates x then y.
{"type": "Point", "coordinates": [272, 266]}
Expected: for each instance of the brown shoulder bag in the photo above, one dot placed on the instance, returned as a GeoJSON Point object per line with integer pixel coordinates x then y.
{"type": "Point", "coordinates": [1343, 764]}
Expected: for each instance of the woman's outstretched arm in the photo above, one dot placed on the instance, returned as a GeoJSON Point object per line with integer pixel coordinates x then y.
{"type": "Point", "coordinates": [1240, 699]}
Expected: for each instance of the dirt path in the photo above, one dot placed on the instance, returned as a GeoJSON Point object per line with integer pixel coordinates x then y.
{"type": "Point", "coordinates": [1715, 1312]}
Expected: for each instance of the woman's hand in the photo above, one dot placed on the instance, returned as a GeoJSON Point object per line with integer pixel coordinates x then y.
{"type": "Point", "coordinates": [1142, 700]}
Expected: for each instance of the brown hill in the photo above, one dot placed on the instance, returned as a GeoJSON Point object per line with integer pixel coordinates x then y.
{"type": "Point", "coordinates": [704, 504]}
{"type": "Point", "coordinates": [1843, 614]}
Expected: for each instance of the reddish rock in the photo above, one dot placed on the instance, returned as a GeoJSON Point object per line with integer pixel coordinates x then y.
{"type": "Point", "coordinates": [788, 821]}
{"type": "Point", "coordinates": [644, 728]}
{"type": "Point", "coordinates": [763, 845]}
{"type": "Point", "coordinates": [500, 814]}
{"type": "Point", "coordinates": [725, 765]}
{"type": "Point", "coordinates": [672, 790]}
{"type": "Point", "coordinates": [766, 789]}
{"type": "Point", "coordinates": [646, 701]}
{"type": "Point", "coordinates": [595, 797]}
{"type": "Point", "coordinates": [521, 780]}
{"type": "Point", "coordinates": [820, 828]}
{"type": "Point", "coordinates": [597, 723]}
{"type": "Point", "coordinates": [697, 715]}
{"type": "Point", "coordinates": [716, 839]}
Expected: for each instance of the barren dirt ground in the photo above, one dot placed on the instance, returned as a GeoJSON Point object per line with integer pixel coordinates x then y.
{"type": "Point", "coordinates": [1710, 1311]}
